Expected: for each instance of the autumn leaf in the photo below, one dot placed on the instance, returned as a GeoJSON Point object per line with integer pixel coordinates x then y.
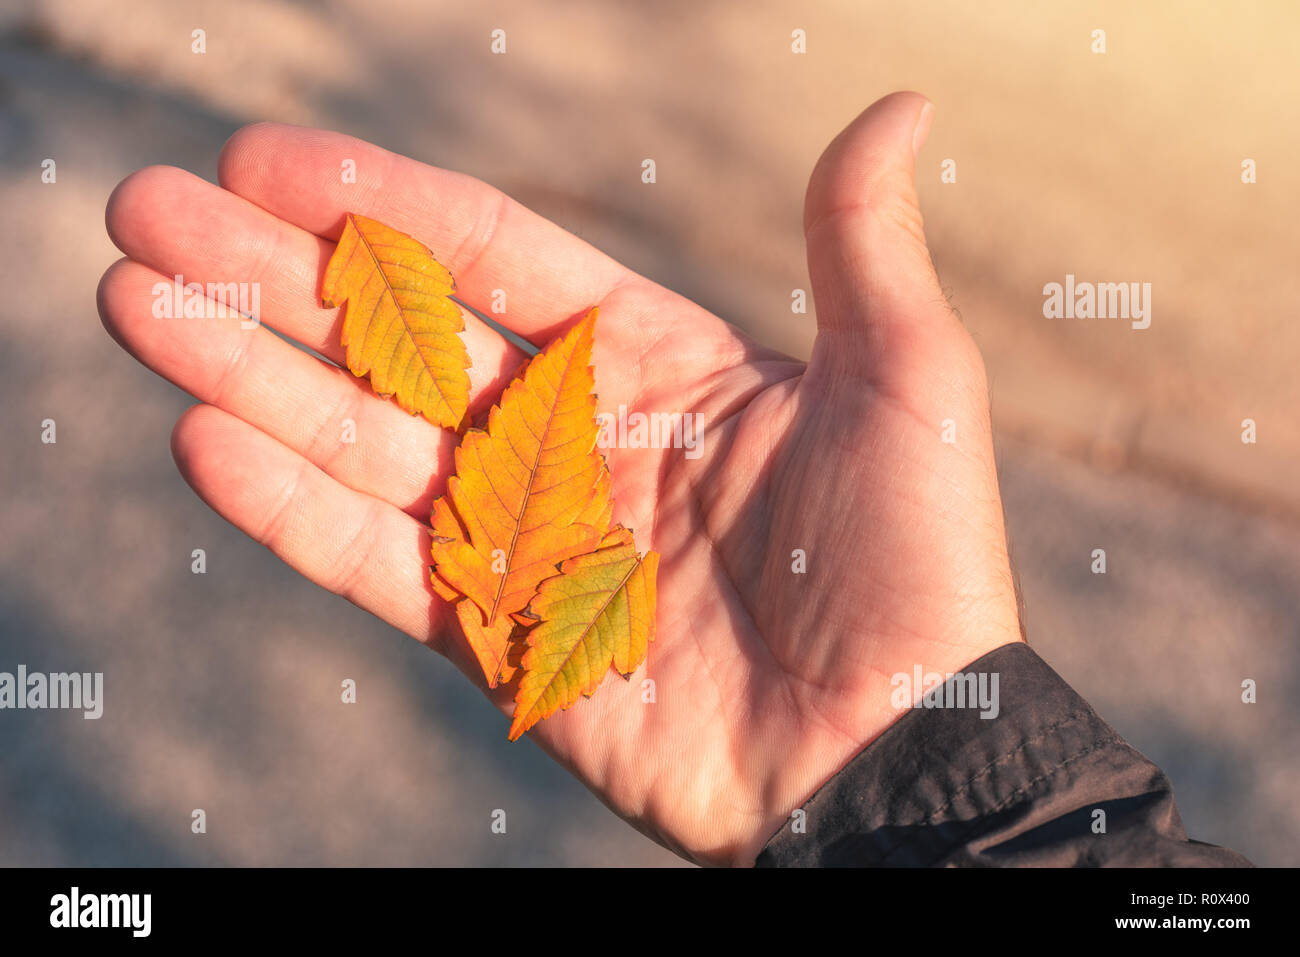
{"type": "Point", "coordinates": [399, 326]}
{"type": "Point", "coordinates": [530, 492]}
{"type": "Point", "coordinates": [600, 610]}
{"type": "Point", "coordinates": [522, 546]}
{"type": "Point", "coordinates": [491, 643]}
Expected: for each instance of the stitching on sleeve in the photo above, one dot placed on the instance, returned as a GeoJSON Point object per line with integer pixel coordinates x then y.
{"type": "Point", "coordinates": [984, 772]}
{"type": "Point", "coordinates": [1042, 777]}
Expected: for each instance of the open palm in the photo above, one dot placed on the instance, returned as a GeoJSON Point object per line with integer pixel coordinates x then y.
{"type": "Point", "coordinates": [841, 523]}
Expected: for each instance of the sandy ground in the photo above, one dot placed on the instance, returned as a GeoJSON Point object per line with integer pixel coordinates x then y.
{"type": "Point", "coordinates": [1116, 167]}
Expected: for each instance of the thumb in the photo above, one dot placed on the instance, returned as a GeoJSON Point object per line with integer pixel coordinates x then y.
{"type": "Point", "coordinates": [867, 256]}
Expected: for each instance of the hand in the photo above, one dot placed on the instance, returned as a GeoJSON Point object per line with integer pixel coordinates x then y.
{"type": "Point", "coordinates": [767, 680]}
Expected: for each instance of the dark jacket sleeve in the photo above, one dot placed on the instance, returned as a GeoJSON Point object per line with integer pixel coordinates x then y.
{"type": "Point", "coordinates": [945, 786]}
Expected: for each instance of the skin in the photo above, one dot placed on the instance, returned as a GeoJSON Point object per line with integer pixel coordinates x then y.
{"type": "Point", "coordinates": [767, 681]}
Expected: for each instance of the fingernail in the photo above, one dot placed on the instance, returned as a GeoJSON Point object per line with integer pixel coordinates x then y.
{"type": "Point", "coordinates": [922, 129]}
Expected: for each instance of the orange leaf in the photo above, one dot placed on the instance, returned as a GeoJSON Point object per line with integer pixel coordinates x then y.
{"type": "Point", "coordinates": [600, 610]}
{"type": "Point", "coordinates": [529, 492]}
{"type": "Point", "coordinates": [491, 645]}
{"type": "Point", "coordinates": [399, 326]}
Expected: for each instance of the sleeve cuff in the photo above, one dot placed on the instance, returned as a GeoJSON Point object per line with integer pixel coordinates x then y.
{"type": "Point", "coordinates": [945, 786]}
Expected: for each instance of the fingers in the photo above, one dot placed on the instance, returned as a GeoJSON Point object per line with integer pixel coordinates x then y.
{"type": "Point", "coordinates": [320, 411]}
{"type": "Point", "coordinates": [356, 546]}
{"type": "Point", "coordinates": [178, 224]}
{"type": "Point", "coordinates": [487, 240]}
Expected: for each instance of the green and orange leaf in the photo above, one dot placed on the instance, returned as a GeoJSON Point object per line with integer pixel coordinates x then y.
{"type": "Point", "coordinates": [529, 492]}
{"type": "Point", "coordinates": [399, 326]}
{"type": "Point", "coordinates": [600, 610]}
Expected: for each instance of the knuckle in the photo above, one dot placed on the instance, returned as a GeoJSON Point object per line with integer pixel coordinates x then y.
{"type": "Point", "coordinates": [326, 446]}
{"type": "Point", "coordinates": [232, 375]}
{"type": "Point", "coordinates": [356, 555]}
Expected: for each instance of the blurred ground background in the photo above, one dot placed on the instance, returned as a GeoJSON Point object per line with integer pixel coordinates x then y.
{"type": "Point", "coordinates": [223, 688]}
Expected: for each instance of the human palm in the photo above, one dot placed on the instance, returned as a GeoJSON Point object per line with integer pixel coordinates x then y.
{"type": "Point", "coordinates": [840, 524]}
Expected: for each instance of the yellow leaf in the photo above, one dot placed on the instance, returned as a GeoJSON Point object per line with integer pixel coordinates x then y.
{"type": "Point", "coordinates": [399, 326]}
{"type": "Point", "coordinates": [600, 610]}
